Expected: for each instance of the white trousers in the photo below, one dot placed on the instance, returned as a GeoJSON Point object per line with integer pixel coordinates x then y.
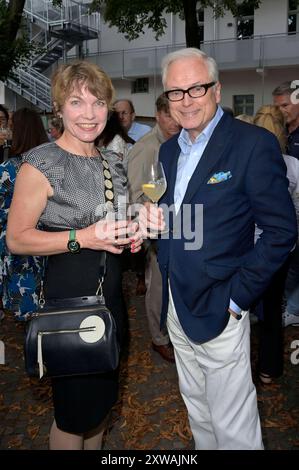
{"type": "Point", "coordinates": [216, 385]}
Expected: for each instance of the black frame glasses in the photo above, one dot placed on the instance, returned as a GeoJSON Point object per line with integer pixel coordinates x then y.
{"type": "Point", "coordinates": [196, 91]}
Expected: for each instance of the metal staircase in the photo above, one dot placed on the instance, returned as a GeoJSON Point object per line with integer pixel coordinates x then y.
{"type": "Point", "coordinates": [55, 30]}
{"type": "Point", "coordinates": [33, 86]}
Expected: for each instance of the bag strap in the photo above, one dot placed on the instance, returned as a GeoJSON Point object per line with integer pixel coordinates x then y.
{"type": "Point", "coordinates": [108, 185]}
{"type": "Point", "coordinates": [102, 266]}
{"type": "Point", "coordinates": [109, 200]}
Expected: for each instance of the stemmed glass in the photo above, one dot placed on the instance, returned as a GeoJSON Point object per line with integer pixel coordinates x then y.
{"type": "Point", "coordinates": [154, 183]}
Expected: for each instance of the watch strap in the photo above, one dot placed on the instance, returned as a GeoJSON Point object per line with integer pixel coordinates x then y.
{"type": "Point", "coordinates": [72, 235]}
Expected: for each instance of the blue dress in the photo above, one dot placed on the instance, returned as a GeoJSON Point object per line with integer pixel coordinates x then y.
{"type": "Point", "coordinates": [19, 275]}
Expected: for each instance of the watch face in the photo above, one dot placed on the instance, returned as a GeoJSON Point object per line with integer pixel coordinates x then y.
{"type": "Point", "coordinates": [73, 246]}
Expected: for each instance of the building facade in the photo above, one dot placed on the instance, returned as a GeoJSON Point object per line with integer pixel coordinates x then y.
{"type": "Point", "coordinates": [255, 52]}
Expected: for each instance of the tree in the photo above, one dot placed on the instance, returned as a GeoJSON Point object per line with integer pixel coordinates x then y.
{"type": "Point", "coordinates": [132, 16]}
{"type": "Point", "coordinates": [14, 44]}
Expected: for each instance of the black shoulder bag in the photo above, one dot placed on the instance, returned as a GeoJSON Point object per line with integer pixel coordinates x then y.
{"type": "Point", "coordinates": [72, 336]}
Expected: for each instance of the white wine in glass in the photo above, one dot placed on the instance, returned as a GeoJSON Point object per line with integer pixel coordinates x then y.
{"type": "Point", "coordinates": [154, 185]}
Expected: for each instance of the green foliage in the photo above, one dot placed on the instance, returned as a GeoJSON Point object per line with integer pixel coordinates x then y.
{"type": "Point", "coordinates": [15, 47]}
{"type": "Point", "coordinates": [131, 17]}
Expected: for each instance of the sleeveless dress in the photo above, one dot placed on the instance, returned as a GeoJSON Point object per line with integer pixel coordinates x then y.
{"type": "Point", "coordinates": [80, 402]}
{"type": "Point", "coordinates": [20, 275]}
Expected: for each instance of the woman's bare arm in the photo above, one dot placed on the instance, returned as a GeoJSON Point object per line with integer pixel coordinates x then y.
{"type": "Point", "coordinates": [32, 190]}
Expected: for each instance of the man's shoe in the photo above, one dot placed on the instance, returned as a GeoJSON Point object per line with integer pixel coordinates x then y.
{"type": "Point", "coordinates": [165, 351]}
{"type": "Point", "coordinates": [289, 319]}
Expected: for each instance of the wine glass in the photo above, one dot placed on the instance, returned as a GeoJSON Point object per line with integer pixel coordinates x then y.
{"type": "Point", "coordinates": [154, 183]}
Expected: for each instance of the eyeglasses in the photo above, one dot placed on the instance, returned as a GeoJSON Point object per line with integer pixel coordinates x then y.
{"type": "Point", "coordinates": [194, 92]}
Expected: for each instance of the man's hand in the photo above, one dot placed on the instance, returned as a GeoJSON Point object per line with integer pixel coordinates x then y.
{"type": "Point", "coordinates": [151, 220]}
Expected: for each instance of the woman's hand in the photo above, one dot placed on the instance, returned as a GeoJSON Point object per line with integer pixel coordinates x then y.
{"type": "Point", "coordinates": [151, 220]}
{"type": "Point", "coordinates": [110, 235]}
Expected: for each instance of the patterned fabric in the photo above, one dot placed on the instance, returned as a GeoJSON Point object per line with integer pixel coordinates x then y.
{"type": "Point", "coordinates": [78, 184]}
{"type": "Point", "coordinates": [121, 148]}
{"type": "Point", "coordinates": [19, 275]}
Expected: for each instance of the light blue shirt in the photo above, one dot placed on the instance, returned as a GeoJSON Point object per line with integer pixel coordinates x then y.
{"type": "Point", "coordinates": [191, 153]}
{"type": "Point", "coordinates": [137, 130]}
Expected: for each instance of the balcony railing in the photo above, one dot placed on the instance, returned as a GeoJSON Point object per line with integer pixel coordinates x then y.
{"type": "Point", "coordinates": [230, 54]}
{"type": "Point", "coordinates": [42, 11]}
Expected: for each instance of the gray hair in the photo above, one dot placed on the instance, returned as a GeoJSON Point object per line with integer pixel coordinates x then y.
{"type": "Point", "coordinates": [283, 89]}
{"type": "Point", "coordinates": [189, 52]}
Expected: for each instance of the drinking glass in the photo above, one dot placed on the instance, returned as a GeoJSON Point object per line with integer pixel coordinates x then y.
{"type": "Point", "coordinates": [154, 183]}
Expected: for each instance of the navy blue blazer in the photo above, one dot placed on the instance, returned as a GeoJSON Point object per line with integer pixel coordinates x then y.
{"type": "Point", "coordinates": [228, 264]}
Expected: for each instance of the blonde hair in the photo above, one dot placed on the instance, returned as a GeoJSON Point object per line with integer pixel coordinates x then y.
{"type": "Point", "coordinates": [245, 118]}
{"type": "Point", "coordinates": [271, 118]}
{"type": "Point", "coordinates": [69, 76]}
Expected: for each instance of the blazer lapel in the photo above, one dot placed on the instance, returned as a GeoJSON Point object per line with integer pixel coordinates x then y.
{"type": "Point", "coordinates": [172, 174]}
{"type": "Point", "coordinates": [213, 152]}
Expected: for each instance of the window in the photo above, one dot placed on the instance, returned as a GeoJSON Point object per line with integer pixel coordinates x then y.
{"type": "Point", "coordinates": [293, 18]}
{"type": "Point", "coordinates": [200, 22]}
{"type": "Point", "coordinates": [243, 104]}
{"type": "Point", "coordinates": [245, 21]}
{"type": "Point", "coordinates": [140, 85]}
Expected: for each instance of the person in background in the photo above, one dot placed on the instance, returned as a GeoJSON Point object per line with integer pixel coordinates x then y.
{"type": "Point", "coordinates": [228, 110]}
{"type": "Point", "coordinates": [19, 275]}
{"type": "Point", "coordinates": [286, 98]}
{"type": "Point", "coordinates": [142, 154]}
{"type": "Point", "coordinates": [126, 112]}
{"type": "Point", "coordinates": [59, 210]}
{"type": "Point", "coordinates": [270, 361]}
{"type": "Point", "coordinates": [245, 118]}
{"type": "Point", "coordinates": [55, 128]}
{"type": "Point", "coordinates": [223, 176]}
{"type": "Point", "coordinates": [115, 138]}
{"type": "Point", "coordinates": [4, 116]}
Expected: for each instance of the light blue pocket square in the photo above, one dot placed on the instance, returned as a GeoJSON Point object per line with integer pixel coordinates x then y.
{"type": "Point", "coordinates": [219, 177]}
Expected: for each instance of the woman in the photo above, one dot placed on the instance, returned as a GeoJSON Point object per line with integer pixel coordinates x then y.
{"type": "Point", "coordinates": [61, 186]}
{"type": "Point", "coordinates": [4, 117]}
{"type": "Point", "coordinates": [271, 338]}
{"type": "Point", "coordinates": [114, 137]}
{"type": "Point", "coordinates": [19, 275]}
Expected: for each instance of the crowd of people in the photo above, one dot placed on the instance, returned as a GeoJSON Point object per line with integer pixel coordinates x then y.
{"type": "Point", "coordinates": [241, 259]}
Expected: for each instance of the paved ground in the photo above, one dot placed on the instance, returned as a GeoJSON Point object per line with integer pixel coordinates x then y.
{"type": "Point", "coordinates": [150, 413]}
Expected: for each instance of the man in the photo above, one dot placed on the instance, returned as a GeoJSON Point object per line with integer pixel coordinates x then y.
{"type": "Point", "coordinates": [55, 129]}
{"type": "Point", "coordinates": [126, 112]}
{"type": "Point", "coordinates": [285, 97]}
{"type": "Point", "coordinates": [225, 174]}
{"type": "Point", "coordinates": [142, 154]}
